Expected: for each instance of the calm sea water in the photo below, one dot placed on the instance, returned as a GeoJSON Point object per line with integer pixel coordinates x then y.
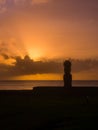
{"type": "Point", "coordinates": [28, 85]}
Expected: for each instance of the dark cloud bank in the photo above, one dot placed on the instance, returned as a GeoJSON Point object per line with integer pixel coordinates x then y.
{"type": "Point", "coordinates": [27, 66]}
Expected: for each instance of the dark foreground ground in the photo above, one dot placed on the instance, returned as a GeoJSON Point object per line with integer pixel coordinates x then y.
{"type": "Point", "coordinates": [49, 109]}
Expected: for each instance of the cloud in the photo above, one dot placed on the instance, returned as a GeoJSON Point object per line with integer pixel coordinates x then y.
{"type": "Point", "coordinates": [4, 3]}
{"type": "Point", "coordinates": [5, 56]}
{"type": "Point", "coordinates": [30, 2]}
{"type": "Point", "coordinates": [3, 7]}
{"type": "Point", "coordinates": [34, 1]}
{"type": "Point", "coordinates": [21, 2]}
{"type": "Point", "coordinates": [39, 1]}
{"type": "Point", "coordinates": [27, 66]}
{"type": "Point", "coordinates": [10, 48]}
{"type": "Point", "coordinates": [84, 65]}
{"type": "Point", "coordinates": [61, 9]}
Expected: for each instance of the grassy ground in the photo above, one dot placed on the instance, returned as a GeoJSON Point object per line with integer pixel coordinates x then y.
{"type": "Point", "coordinates": [24, 111]}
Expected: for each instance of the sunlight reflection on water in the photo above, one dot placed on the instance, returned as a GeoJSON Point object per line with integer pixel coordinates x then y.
{"type": "Point", "coordinates": [28, 85]}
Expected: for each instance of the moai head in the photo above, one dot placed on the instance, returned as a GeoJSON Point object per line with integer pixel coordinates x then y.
{"type": "Point", "coordinates": [67, 74]}
{"type": "Point", "coordinates": [67, 66]}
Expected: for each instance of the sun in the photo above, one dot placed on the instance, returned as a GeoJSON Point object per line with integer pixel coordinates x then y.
{"type": "Point", "coordinates": [35, 54]}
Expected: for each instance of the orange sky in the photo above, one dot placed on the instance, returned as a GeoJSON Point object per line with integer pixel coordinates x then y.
{"type": "Point", "coordinates": [48, 29]}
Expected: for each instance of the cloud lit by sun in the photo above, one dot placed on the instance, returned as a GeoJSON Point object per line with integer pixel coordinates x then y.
{"type": "Point", "coordinates": [46, 30]}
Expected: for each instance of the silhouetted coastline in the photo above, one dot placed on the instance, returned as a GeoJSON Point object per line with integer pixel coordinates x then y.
{"type": "Point", "coordinates": [62, 107]}
{"type": "Point", "coordinates": [41, 108]}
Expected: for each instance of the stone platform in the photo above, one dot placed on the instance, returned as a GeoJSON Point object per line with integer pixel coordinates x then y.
{"type": "Point", "coordinates": [61, 91]}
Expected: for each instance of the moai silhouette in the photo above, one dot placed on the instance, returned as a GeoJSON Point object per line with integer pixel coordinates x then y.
{"type": "Point", "coordinates": [67, 74]}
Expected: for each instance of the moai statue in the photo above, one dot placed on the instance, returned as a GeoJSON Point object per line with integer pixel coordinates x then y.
{"type": "Point", "coordinates": [67, 74]}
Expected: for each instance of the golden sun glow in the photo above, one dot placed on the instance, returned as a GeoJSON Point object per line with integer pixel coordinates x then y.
{"type": "Point", "coordinates": [35, 54]}
{"type": "Point", "coordinates": [39, 77]}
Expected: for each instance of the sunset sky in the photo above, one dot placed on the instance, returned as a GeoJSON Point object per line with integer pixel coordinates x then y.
{"type": "Point", "coordinates": [48, 31]}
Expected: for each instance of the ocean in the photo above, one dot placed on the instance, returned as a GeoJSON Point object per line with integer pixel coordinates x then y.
{"type": "Point", "coordinates": [29, 85]}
